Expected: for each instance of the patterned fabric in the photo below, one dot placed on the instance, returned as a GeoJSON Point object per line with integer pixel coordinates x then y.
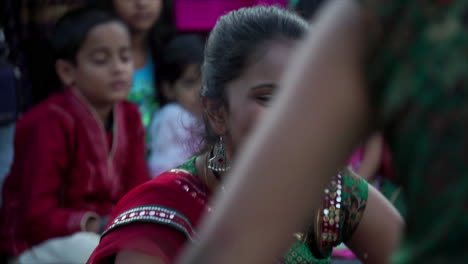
{"type": "Point", "coordinates": [418, 65]}
{"type": "Point", "coordinates": [158, 218]}
{"type": "Point", "coordinates": [175, 201]}
{"type": "Point", "coordinates": [353, 191]}
{"type": "Point", "coordinates": [159, 215]}
{"type": "Point", "coordinates": [349, 195]}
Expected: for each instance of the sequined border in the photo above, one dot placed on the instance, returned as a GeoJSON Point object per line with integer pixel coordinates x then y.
{"type": "Point", "coordinates": [329, 219]}
{"type": "Point", "coordinates": [156, 215]}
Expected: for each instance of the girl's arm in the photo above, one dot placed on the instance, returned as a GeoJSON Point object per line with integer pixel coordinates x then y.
{"type": "Point", "coordinates": [377, 235]}
{"type": "Point", "coordinates": [270, 191]}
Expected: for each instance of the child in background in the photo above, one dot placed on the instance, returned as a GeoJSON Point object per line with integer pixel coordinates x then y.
{"type": "Point", "coordinates": [147, 34]}
{"type": "Point", "coordinates": [79, 151]}
{"type": "Point", "coordinates": [175, 129]}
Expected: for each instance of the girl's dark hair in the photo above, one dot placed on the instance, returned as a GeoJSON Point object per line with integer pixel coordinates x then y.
{"type": "Point", "coordinates": [234, 40]}
{"type": "Point", "coordinates": [72, 29]}
{"type": "Point", "coordinates": [178, 54]}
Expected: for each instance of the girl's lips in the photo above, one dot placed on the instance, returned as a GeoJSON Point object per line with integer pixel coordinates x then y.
{"type": "Point", "coordinates": [119, 85]}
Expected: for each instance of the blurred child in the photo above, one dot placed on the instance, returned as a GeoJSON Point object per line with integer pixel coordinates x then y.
{"type": "Point", "coordinates": [78, 152]}
{"type": "Point", "coordinates": [144, 17]}
{"type": "Point", "coordinates": [175, 129]}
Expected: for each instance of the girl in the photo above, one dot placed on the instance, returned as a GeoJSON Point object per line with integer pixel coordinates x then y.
{"type": "Point", "coordinates": [399, 66]}
{"type": "Point", "coordinates": [244, 59]}
{"type": "Point", "coordinates": [175, 128]}
{"type": "Point", "coordinates": [149, 22]}
{"type": "Point", "coordinates": [79, 151]}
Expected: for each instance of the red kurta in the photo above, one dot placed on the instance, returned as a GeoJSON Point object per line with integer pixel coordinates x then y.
{"type": "Point", "coordinates": [64, 168]}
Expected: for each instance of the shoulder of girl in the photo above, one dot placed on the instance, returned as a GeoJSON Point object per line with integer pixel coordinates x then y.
{"type": "Point", "coordinates": [171, 183]}
{"type": "Point", "coordinates": [167, 192]}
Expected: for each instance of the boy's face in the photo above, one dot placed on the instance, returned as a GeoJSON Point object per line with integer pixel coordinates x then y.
{"type": "Point", "coordinates": [104, 65]}
{"type": "Point", "coordinates": [187, 88]}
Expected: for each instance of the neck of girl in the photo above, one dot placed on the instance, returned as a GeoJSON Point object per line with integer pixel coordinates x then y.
{"type": "Point", "coordinates": [104, 113]}
{"type": "Point", "coordinates": [139, 48]}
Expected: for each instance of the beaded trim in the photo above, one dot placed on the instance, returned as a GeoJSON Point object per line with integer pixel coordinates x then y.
{"type": "Point", "coordinates": [156, 215]}
{"type": "Point", "coordinates": [178, 173]}
{"type": "Point", "coordinates": [329, 218]}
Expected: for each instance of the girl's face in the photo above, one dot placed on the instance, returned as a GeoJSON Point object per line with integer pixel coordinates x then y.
{"type": "Point", "coordinates": [248, 96]}
{"type": "Point", "coordinates": [187, 88]}
{"type": "Point", "coordinates": [104, 66]}
{"type": "Point", "coordinates": [140, 15]}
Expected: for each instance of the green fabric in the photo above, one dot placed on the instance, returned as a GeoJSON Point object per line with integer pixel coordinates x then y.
{"type": "Point", "coordinates": [418, 72]}
{"type": "Point", "coordinates": [300, 254]}
{"type": "Point", "coordinates": [355, 195]}
{"type": "Point", "coordinates": [354, 200]}
{"type": "Point", "coordinates": [190, 166]}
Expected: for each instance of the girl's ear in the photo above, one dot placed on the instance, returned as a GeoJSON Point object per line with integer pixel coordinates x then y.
{"type": "Point", "coordinates": [66, 72]}
{"type": "Point", "coordinates": [217, 115]}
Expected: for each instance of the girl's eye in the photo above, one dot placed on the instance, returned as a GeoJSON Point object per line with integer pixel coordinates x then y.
{"type": "Point", "coordinates": [126, 56]}
{"type": "Point", "coordinates": [189, 82]}
{"type": "Point", "coordinates": [100, 61]}
{"type": "Point", "coordinates": [264, 99]}
{"type": "Point", "coordinates": [100, 58]}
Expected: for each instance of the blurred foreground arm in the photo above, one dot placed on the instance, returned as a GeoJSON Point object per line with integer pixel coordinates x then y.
{"type": "Point", "coordinates": [319, 116]}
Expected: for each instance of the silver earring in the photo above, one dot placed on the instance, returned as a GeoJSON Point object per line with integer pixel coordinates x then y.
{"type": "Point", "coordinates": [219, 162]}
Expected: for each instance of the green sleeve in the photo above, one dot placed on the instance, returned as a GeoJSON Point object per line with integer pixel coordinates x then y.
{"type": "Point", "coordinates": [355, 194]}
{"type": "Point", "coordinates": [300, 253]}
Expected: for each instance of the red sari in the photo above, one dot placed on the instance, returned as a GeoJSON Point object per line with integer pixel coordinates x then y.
{"type": "Point", "coordinates": [167, 210]}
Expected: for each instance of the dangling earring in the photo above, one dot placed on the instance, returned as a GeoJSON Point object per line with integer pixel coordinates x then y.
{"type": "Point", "coordinates": [219, 162]}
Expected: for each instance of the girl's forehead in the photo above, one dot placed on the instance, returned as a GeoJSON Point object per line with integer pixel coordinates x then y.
{"type": "Point", "coordinates": [270, 58]}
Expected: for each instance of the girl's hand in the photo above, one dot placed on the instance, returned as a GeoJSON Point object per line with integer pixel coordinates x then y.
{"type": "Point", "coordinates": [93, 224]}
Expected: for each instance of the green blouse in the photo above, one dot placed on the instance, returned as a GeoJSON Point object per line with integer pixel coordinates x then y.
{"type": "Point", "coordinates": [345, 199]}
{"type": "Point", "coordinates": [349, 193]}
{"type": "Point", "coordinates": [417, 72]}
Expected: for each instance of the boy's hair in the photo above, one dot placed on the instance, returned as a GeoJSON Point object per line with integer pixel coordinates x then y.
{"type": "Point", "coordinates": [72, 29]}
{"type": "Point", "coordinates": [178, 54]}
